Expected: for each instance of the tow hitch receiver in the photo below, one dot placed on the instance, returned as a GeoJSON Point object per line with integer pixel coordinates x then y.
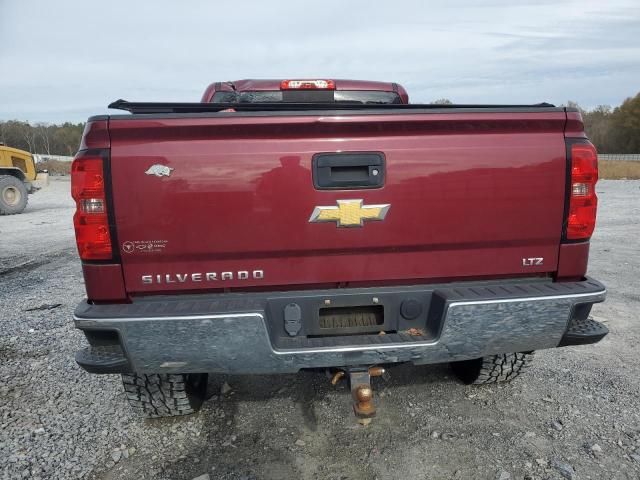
{"type": "Point", "coordinates": [361, 390]}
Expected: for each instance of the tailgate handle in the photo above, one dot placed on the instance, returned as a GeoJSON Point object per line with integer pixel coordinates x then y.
{"type": "Point", "coordinates": [348, 170]}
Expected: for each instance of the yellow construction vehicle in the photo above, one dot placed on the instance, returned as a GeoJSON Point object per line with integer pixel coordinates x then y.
{"type": "Point", "coordinates": [18, 178]}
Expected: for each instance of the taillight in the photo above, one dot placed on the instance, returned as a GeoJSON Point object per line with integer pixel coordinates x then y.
{"type": "Point", "coordinates": [583, 203]}
{"type": "Point", "coordinates": [307, 85]}
{"type": "Point", "coordinates": [90, 220]}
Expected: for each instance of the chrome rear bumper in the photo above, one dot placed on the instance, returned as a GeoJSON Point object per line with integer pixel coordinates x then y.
{"type": "Point", "coordinates": [242, 333]}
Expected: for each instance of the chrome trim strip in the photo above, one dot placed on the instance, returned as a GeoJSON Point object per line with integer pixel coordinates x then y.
{"type": "Point", "coordinates": [529, 299]}
{"type": "Point", "coordinates": [363, 348]}
{"type": "Point", "coordinates": [179, 317]}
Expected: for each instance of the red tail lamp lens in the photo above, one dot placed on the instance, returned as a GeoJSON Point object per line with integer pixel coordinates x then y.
{"type": "Point", "coordinates": [90, 220]}
{"type": "Point", "coordinates": [583, 201]}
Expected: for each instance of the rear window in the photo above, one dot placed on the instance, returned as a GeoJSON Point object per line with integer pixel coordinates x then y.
{"type": "Point", "coordinates": [355, 96]}
{"type": "Point", "coordinates": [308, 96]}
{"type": "Point", "coordinates": [247, 97]}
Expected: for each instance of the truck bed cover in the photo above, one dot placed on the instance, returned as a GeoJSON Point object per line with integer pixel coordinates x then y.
{"type": "Point", "coordinates": [315, 108]}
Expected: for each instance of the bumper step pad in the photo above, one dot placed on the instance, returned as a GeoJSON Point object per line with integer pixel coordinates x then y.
{"type": "Point", "coordinates": [103, 359]}
{"type": "Point", "coordinates": [584, 332]}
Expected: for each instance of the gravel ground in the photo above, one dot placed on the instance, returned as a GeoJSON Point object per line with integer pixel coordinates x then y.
{"type": "Point", "coordinates": [43, 231]}
{"type": "Point", "coordinates": [574, 415]}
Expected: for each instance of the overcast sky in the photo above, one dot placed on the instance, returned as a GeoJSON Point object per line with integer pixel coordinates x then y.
{"type": "Point", "coordinates": [66, 60]}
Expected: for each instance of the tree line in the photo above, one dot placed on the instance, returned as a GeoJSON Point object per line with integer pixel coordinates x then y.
{"type": "Point", "coordinates": [42, 138]}
{"type": "Point", "coordinates": [612, 130]}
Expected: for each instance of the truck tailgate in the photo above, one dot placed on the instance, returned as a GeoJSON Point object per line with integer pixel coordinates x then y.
{"type": "Point", "coordinates": [469, 195]}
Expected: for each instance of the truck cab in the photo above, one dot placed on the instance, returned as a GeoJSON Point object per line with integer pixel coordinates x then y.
{"type": "Point", "coordinates": [306, 91]}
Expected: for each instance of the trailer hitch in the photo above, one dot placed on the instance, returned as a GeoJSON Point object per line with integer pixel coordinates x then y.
{"type": "Point", "coordinates": [361, 390]}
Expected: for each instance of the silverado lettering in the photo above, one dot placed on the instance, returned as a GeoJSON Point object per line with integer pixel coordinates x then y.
{"type": "Point", "coordinates": [199, 277]}
{"type": "Point", "coordinates": [391, 232]}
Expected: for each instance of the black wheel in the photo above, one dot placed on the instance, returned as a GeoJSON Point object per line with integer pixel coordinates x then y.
{"type": "Point", "coordinates": [492, 369]}
{"type": "Point", "coordinates": [165, 395]}
{"type": "Point", "coordinates": [13, 195]}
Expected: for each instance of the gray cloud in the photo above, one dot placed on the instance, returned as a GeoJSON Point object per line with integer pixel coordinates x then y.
{"type": "Point", "coordinates": [72, 58]}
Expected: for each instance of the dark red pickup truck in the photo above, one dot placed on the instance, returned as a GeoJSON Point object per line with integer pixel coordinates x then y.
{"type": "Point", "coordinates": [286, 225]}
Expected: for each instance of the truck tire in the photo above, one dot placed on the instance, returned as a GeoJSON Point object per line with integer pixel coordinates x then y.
{"type": "Point", "coordinates": [13, 195]}
{"type": "Point", "coordinates": [492, 369]}
{"type": "Point", "coordinates": [165, 395]}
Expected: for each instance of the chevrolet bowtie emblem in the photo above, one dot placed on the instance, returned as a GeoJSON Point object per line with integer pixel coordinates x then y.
{"type": "Point", "coordinates": [349, 213]}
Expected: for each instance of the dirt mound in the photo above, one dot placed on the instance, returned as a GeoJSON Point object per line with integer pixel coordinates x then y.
{"type": "Point", "coordinates": [55, 167]}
